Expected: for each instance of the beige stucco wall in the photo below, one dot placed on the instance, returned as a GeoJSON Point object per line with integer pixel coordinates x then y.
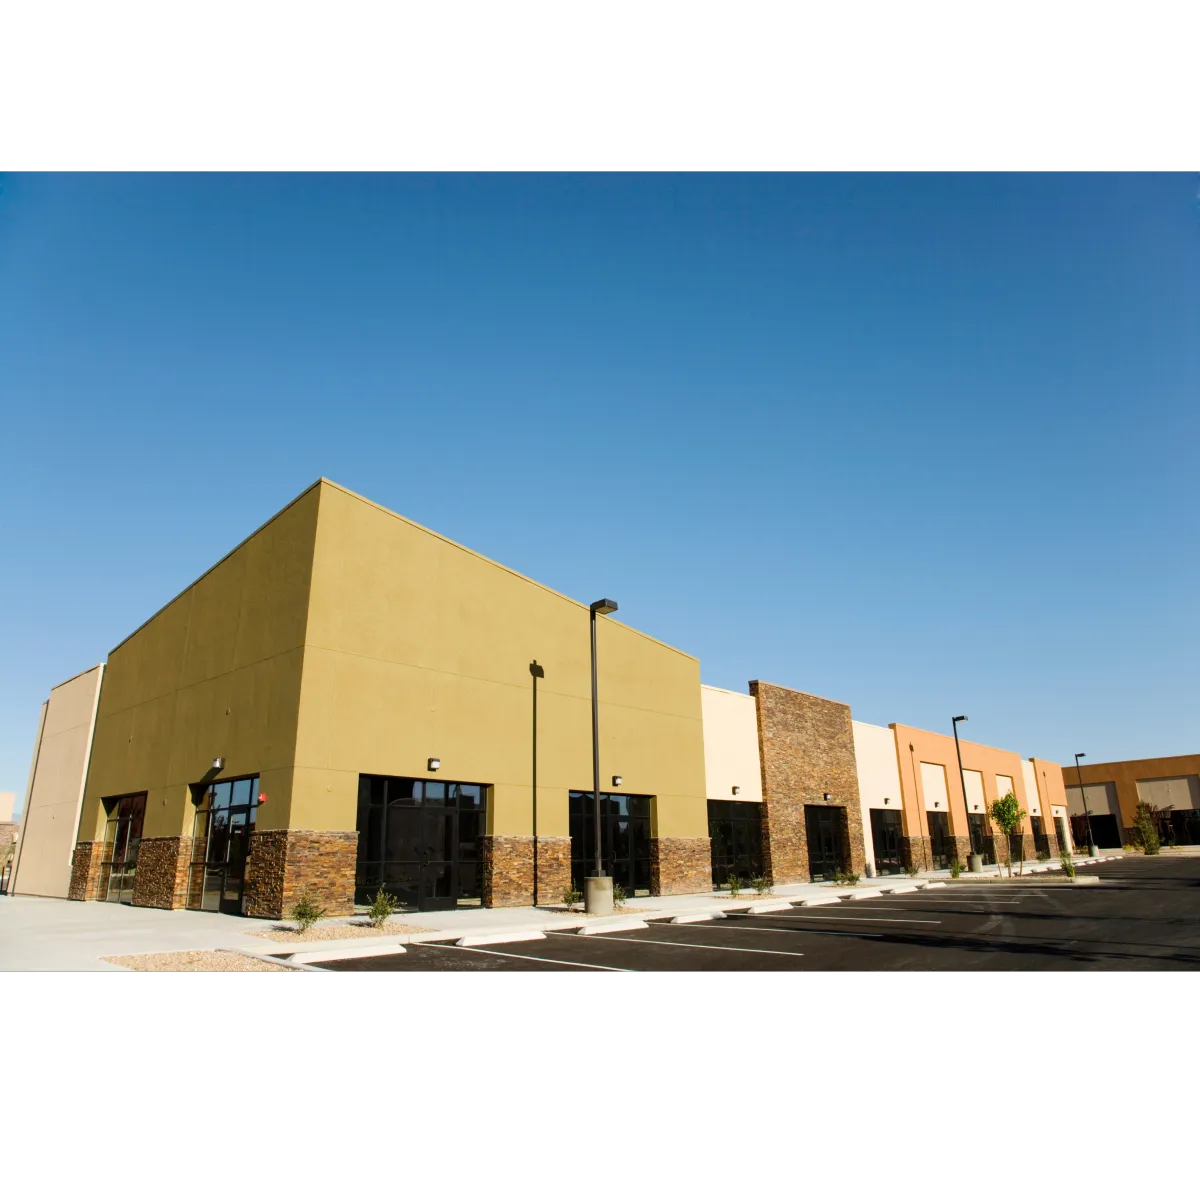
{"type": "Point", "coordinates": [56, 783]}
{"type": "Point", "coordinates": [214, 673]}
{"type": "Point", "coordinates": [7, 804]}
{"type": "Point", "coordinates": [418, 647]}
{"type": "Point", "coordinates": [730, 745]}
{"type": "Point", "coordinates": [878, 777]}
{"type": "Point", "coordinates": [1029, 778]}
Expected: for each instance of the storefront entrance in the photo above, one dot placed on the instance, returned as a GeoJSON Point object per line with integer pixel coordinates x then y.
{"type": "Point", "coordinates": [122, 837]}
{"type": "Point", "coordinates": [887, 830]}
{"type": "Point", "coordinates": [420, 840]}
{"type": "Point", "coordinates": [823, 825]}
{"type": "Point", "coordinates": [624, 840]}
{"type": "Point", "coordinates": [941, 845]}
{"type": "Point", "coordinates": [982, 842]}
{"type": "Point", "coordinates": [221, 832]}
{"type": "Point", "coordinates": [735, 833]}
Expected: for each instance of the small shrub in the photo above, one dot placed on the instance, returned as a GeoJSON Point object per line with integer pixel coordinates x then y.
{"type": "Point", "coordinates": [306, 912]}
{"type": "Point", "coordinates": [571, 896]}
{"type": "Point", "coordinates": [734, 884]}
{"type": "Point", "coordinates": [619, 896]}
{"type": "Point", "coordinates": [762, 884]}
{"type": "Point", "coordinates": [846, 877]}
{"type": "Point", "coordinates": [955, 868]}
{"type": "Point", "coordinates": [1146, 828]}
{"type": "Point", "coordinates": [1043, 856]}
{"type": "Point", "coordinates": [1130, 848]}
{"type": "Point", "coordinates": [912, 868]}
{"type": "Point", "coordinates": [1068, 864]}
{"type": "Point", "coordinates": [382, 907]}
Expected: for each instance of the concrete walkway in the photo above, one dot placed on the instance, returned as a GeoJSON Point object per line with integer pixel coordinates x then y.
{"type": "Point", "coordinates": [62, 935]}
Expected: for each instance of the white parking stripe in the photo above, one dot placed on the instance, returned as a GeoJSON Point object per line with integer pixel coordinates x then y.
{"type": "Point", "coordinates": [530, 957]}
{"type": "Point", "coordinates": [847, 919]}
{"type": "Point", "coordinates": [606, 937]}
{"type": "Point", "coordinates": [803, 932]}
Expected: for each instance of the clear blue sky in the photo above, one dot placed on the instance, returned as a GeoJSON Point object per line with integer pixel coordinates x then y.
{"type": "Point", "coordinates": [925, 444]}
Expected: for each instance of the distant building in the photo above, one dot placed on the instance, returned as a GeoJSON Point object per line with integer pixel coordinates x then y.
{"type": "Point", "coordinates": [1111, 791]}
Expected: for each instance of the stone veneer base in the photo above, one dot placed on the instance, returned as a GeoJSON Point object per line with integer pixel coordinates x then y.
{"type": "Point", "coordinates": [679, 866]}
{"type": "Point", "coordinates": [161, 878]}
{"type": "Point", "coordinates": [85, 871]}
{"type": "Point", "coordinates": [284, 864]}
{"type": "Point", "coordinates": [507, 870]}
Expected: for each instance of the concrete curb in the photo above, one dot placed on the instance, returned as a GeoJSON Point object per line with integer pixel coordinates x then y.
{"type": "Point", "coordinates": [819, 902]}
{"type": "Point", "coordinates": [275, 962]}
{"type": "Point", "coordinates": [865, 894]}
{"type": "Point", "coordinates": [611, 927]}
{"type": "Point", "coordinates": [330, 955]}
{"type": "Point", "coordinates": [776, 906]}
{"type": "Point", "coordinates": [902, 890]}
{"type": "Point", "coordinates": [501, 937]}
{"type": "Point", "coordinates": [693, 918]}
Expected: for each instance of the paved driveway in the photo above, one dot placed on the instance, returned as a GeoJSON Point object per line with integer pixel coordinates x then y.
{"type": "Point", "coordinates": [1140, 917]}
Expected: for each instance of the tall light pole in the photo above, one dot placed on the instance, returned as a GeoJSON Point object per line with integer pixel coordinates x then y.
{"type": "Point", "coordinates": [962, 779]}
{"type": "Point", "coordinates": [537, 672]}
{"type": "Point", "coordinates": [599, 897]}
{"type": "Point", "coordinates": [1087, 816]}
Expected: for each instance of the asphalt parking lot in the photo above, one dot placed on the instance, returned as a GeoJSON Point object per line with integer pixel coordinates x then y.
{"type": "Point", "coordinates": [1140, 917]}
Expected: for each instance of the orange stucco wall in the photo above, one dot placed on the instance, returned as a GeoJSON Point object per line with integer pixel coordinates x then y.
{"type": "Point", "coordinates": [1126, 774]}
{"type": "Point", "coordinates": [939, 748]}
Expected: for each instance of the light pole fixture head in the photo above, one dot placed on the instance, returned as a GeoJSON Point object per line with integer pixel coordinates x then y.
{"type": "Point", "coordinates": [955, 720]}
{"type": "Point", "coordinates": [218, 764]}
{"type": "Point", "coordinates": [536, 670]}
{"type": "Point", "coordinates": [1081, 756]}
{"type": "Point", "coordinates": [604, 607]}
{"type": "Point", "coordinates": [434, 764]}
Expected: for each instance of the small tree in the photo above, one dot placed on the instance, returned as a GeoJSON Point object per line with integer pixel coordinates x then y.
{"type": "Point", "coordinates": [1145, 824]}
{"type": "Point", "coordinates": [1008, 815]}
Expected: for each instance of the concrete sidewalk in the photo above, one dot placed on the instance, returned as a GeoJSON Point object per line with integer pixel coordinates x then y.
{"type": "Point", "coordinates": [62, 935]}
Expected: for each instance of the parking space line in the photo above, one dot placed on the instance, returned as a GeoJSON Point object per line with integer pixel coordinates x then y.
{"type": "Point", "coordinates": [606, 937]}
{"type": "Point", "coordinates": [800, 932]}
{"type": "Point", "coordinates": [531, 957]}
{"type": "Point", "coordinates": [848, 919]}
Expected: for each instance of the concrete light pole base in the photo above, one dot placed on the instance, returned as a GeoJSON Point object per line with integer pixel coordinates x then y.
{"type": "Point", "coordinates": [975, 863]}
{"type": "Point", "coordinates": [598, 896]}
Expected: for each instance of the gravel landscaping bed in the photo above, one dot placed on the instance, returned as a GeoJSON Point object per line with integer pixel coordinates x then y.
{"type": "Point", "coordinates": [193, 960]}
{"type": "Point", "coordinates": [326, 933]}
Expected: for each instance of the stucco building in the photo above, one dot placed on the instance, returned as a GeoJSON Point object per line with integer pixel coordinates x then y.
{"type": "Point", "coordinates": [349, 701]}
{"type": "Point", "coordinates": [1113, 789]}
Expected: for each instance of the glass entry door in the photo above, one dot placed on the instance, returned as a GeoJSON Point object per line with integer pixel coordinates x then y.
{"type": "Point", "coordinates": [122, 837]}
{"type": "Point", "coordinates": [624, 840]}
{"type": "Point", "coordinates": [826, 855]}
{"type": "Point", "coordinates": [941, 845]}
{"type": "Point", "coordinates": [221, 833]}
{"type": "Point", "coordinates": [886, 832]}
{"type": "Point", "coordinates": [420, 840]}
{"type": "Point", "coordinates": [982, 842]}
{"type": "Point", "coordinates": [735, 833]}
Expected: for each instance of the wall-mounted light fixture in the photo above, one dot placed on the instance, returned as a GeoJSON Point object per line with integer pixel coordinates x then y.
{"type": "Point", "coordinates": [886, 800]}
{"type": "Point", "coordinates": [826, 796]}
{"type": "Point", "coordinates": [937, 804]}
{"type": "Point", "coordinates": [218, 764]}
{"type": "Point", "coordinates": [977, 808]}
{"type": "Point", "coordinates": [737, 791]}
{"type": "Point", "coordinates": [617, 781]}
{"type": "Point", "coordinates": [434, 764]}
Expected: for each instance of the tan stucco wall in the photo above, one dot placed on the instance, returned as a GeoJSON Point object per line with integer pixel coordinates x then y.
{"type": "Point", "coordinates": [730, 745]}
{"type": "Point", "coordinates": [214, 673]}
{"type": "Point", "coordinates": [939, 748]}
{"type": "Point", "coordinates": [418, 647]}
{"type": "Point", "coordinates": [878, 777]}
{"type": "Point", "coordinates": [1125, 775]}
{"type": "Point", "coordinates": [52, 799]}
